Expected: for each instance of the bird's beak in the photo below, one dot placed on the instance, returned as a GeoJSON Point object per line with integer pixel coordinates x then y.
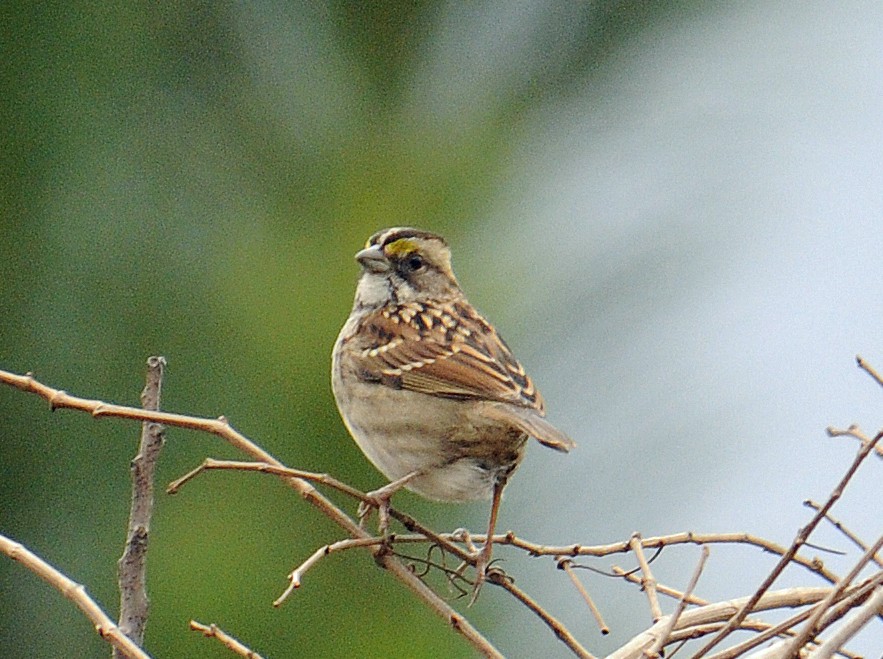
{"type": "Point", "coordinates": [372, 259]}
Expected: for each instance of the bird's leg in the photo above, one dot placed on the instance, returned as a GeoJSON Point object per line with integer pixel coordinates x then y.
{"type": "Point", "coordinates": [484, 556]}
{"type": "Point", "coordinates": [380, 499]}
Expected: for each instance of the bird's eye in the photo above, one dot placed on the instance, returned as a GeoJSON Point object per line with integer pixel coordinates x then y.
{"type": "Point", "coordinates": [414, 262]}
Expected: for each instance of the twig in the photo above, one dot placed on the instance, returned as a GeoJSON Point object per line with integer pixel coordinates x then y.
{"type": "Point", "coordinates": [211, 464]}
{"type": "Point", "coordinates": [809, 503]}
{"type": "Point", "coordinates": [854, 597]}
{"type": "Point", "coordinates": [446, 541]}
{"type": "Point", "coordinates": [688, 537]}
{"type": "Point", "coordinates": [660, 588]}
{"type": "Point", "coordinates": [801, 538]}
{"type": "Point", "coordinates": [720, 611]}
{"type": "Point", "coordinates": [648, 582]}
{"type": "Point", "coordinates": [132, 566]}
{"type": "Point", "coordinates": [220, 427]}
{"type": "Point", "coordinates": [851, 626]}
{"type": "Point", "coordinates": [213, 631]}
{"type": "Point", "coordinates": [867, 368]}
{"type": "Point", "coordinates": [855, 432]}
{"type": "Point", "coordinates": [822, 607]}
{"type": "Point", "coordinates": [294, 579]}
{"type": "Point", "coordinates": [566, 564]}
{"type": "Point", "coordinates": [783, 629]}
{"type": "Point", "coordinates": [669, 626]}
{"type": "Point", "coordinates": [76, 593]}
{"type": "Point", "coordinates": [765, 629]}
{"type": "Point", "coordinates": [554, 624]}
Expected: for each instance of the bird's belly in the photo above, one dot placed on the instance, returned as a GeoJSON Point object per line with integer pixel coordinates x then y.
{"type": "Point", "coordinates": [460, 454]}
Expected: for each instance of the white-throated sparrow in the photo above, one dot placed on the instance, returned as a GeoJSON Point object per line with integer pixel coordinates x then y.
{"type": "Point", "coordinates": [427, 388]}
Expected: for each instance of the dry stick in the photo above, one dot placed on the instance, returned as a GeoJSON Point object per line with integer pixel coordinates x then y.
{"type": "Point", "coordinates": [855, 432]}
{"type": "Point", "coordinates": [867, 368]}
{"type": "Point", "coordinates": [213, 631]}
{"type": "Point", "coordinates": [662, 639]}
{"type": "Point", "coordinates": [799, 541]}
{"type": "Point", "coordinates": [688, 537]}
{"type": "Point", "coordinates": [747, 624]}
{"type": "Point", "coordinates": [210, 464]}
{"type": "Point", "coordinates": [784, 628]}
{"type": "Point", "coordinates": [76, 593]}
{"type": "Point", "coordinates": [858, 619]}
{"type": "Point", "coordinates": [660, 588]}
{"type": "Point", "coordinates": [719, 612]}
{"type": "Point", "coordinates": [822, 607]}
{"type": "Point", "coordinates": [814, 565]}
{"type": "Point", "coordinates": [554, 624]}
{"type": "Point", "coordinates": [446, 541]}
{"type": "Point", "coordinates": [765, 629]}
{"type": "Point", "coordinates": [221, 428]}
{"type": "Point", "coordinates": [294, 579]}
{"type": "Point", "coordinates": [688, 634]}
{"type": "Point", "coordinates": [566, 564]}
{"type": "Point", "coordinates": [855, 597]}
{"type": "Point", "coordinates": [132, 566]}
{"type": "Point", "coordinates": [809, 503]}
{"type": "Point", "coordinates": [648, 582]}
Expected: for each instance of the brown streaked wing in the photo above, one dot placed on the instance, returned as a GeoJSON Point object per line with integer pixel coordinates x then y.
{"type": "Point", "coordinates": [472, 362]}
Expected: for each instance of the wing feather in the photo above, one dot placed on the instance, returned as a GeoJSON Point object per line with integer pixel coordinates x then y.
{"type": "Point", "coordinates": [448, 351]}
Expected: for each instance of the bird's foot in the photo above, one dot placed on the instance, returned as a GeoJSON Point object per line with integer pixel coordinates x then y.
{"type": "Point", "coordinates": [378, 499]}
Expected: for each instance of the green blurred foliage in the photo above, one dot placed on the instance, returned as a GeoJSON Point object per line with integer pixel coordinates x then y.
{"type": "Point", "coordinates": [191, 179]}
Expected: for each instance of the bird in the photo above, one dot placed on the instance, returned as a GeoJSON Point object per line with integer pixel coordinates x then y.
{"type": "Point", "coordinates": [429, 391]}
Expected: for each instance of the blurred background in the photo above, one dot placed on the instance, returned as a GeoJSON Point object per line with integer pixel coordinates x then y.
{"type": "Point", "coordinates": [672, 211]}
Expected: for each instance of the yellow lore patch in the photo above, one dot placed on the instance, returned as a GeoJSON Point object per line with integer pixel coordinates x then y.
{"type": "Point", "coordinates": [400, 246]}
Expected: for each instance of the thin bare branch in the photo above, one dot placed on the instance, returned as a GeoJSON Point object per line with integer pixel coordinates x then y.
{"type": "Point", "coordinates": [446, 541]}
{"type": "Point", "coordinates": [688, 537]}
{"type": "Point", "coordinates": [220, 427]}
{"type": "Point", "coordinates": [566, 564]}
{"type": "Point", "coordinates": [132, 566]}
{"type": "Point", "coordinates": [661, 588]}
{"type": "Point", "coordinates": [856, 433]}
{"type": "Point", "coordinates": [213, 631]}
{"type": "Point", "coordinates": [809, 503]}
{"type": "Point", "coordinates": [799, 541]}
{"type": "Point", "coordinates": [851, 626]}
{"type": "Point", "coordinates": [719, 612]}
{"type": "Point", "coordinates": [210, 464]}
{"type": "Point", "coordinates": [294, 579]}
{"type": "Point", "coordinates": [784, 628]}
{"type": "Point", "coordinates": [648, 582]}
{"type": "Point", "coordinates": [822, 607]}
{"type": "Point", "coordinates": [76, 593]}
{"type": "Point", "coordinates": [867, 368]}
{"type": "Point", "coordinates": [765, 629]}
{"type": "Point", "coordinates": [554, 624]}
{"type": "Point", "coordinates": [669, 626]}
